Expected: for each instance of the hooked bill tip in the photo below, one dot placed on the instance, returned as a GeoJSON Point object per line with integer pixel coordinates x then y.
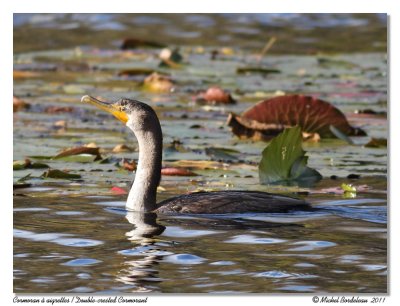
{"type": "Point", "coordinates": [85, 99]}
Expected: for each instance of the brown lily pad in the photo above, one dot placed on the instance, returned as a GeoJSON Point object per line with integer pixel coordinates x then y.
{"type": "Point", "coordinates": [19, 104]}
{"type": "Point", "coordinates": [215, 95]}
{"type": "Point", "coordinates": [78, 151]}
{"type": "Point", "coordinates": [129, 165]}
{"type": "Point", "coordinates": [58, 174]}
{"type": "Point", "coordinates": [377, 143]}
{"type": "Point", "coordinates": [134, 43]}
{"type": "Point", "coordinates": [177, 172]}
{"type": "Point", "coordinates": [21, 74]}
{"type": "Point", "coordinates": [122, 148]}
{"type": "Point", "coordinates": [268, 118]}
{"type": "Point", "coordinates": [135, 71]}
{"type": "Point", "coordinates": [58, 109]}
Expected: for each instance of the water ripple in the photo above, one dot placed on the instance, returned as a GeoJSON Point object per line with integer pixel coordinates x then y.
{"type": "Point", "coordinates": [311, 245]}
{"type": "Point", "coordinates": [184, 259]}
{"type": "Point", "coordinates": [251, 239]}
{"type": "Point", "coordinates": [56, 238]}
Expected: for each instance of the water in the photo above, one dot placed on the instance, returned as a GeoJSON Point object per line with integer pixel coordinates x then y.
{"type": "Point", "coordinates": [75, 235]}
{"type": "Point", "coordinates": [105, 249]}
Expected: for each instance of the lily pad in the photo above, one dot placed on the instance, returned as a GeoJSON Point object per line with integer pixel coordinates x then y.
{"type": "Point", "coordinates": [157, 83]}
{"type": "Point", "coordinates": [221, 153]}
{"type": "Point", "coordinates": [348, 188]}
{"type": "Point", "coordinates": [215, 95]}
{"type": "Point", "coordinates": [58, 174]}
{"type": "Point", "coordinates": [79, 151]}
{"type": "Point", "coordinates": [377, 143]}
{"type": "Point", "coordinates": [79, 158]}
{"type": "Point", "coordinates": [311, 114]}
{"type": "Point", "coordinates": [27, 164]}
{"type": "Point", "coordinates": [284, 160]}
{"type": "Point", "coordinates": [256, 69]}
{"type": "Point", "coordinates": [177, 172]}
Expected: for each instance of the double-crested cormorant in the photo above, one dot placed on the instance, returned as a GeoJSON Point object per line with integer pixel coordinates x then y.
{"type": "Point", "coordinates": [144, 123]}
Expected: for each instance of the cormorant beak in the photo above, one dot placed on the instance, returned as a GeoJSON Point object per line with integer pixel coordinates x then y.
{"type": "Point", "coordinates": [108, 107]}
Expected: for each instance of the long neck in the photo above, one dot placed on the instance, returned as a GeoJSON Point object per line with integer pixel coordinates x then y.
{"type": "Point", "coordinates": [142, 196]}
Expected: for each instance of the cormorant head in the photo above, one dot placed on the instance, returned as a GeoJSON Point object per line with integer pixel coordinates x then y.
{"type": "Point", "coordinates": [138, 116]}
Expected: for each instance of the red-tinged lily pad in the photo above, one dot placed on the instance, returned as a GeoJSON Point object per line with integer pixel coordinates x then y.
{"type": "Point", "coordinates": [118, 190]}
{"type": "Point", "coordinates": [58, 109]}
{"type": "Point", "coordinates": [78, 151]}
{"type": "Point", "coordinates": [177, 172]}
{"type": "Point", "coordinates": [271, 116]}
{"type": "Point", "coordinates": [129, 165]}
{"type": "Point", "coordinates": [215, 95]}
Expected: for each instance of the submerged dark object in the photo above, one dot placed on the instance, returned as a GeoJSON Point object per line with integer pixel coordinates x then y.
{"type": "Point", "coordinates": [144, 123]}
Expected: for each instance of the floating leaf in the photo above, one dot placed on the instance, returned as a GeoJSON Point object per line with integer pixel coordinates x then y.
{"type": "Point", "coordinates": [27, 164]}
{"type": "Point", "coordinates": [133, 43]}
{"type": "Point", "coordinates": [177, 172]}
{"type": "Point", "coordinates": [312, 115]}
{"type": "Point", "coordinates": [256, 69]}
{"type": "Point", "coordinates": [340, 135]}
{"type": "Point", "coordinates": [198, 164]}
{"type": "Point", "coordinates": [215, 95]}
{"type": "Point", "coordinates": [246, 128]}
{"type": "Point", "coordinates": [157, 83]}
{"type": "Point", "coordinates": [73, 89]}
{"type": "Point", "coordinates": [118, 190]}
{"type": "Point", "coordinates": [348, 187]}
{"type": "Point", "coordinates": [21, 164]}
{"type": "Point", "coordinates": [21, 185]}
{"type": "Point", "coordinates": [335, 63]}
{"type": "Point", "coordinates": [377, 143]}
{"type": "Point", "coordinates": [58, 174]}
{"type": "Point", "coordinates": [122, 148]}
{"type": "Point", "coordinates": [58, 109]}
{"type": "Point", "coordinates": [221, 153]}
{"type": "Point", "coordinates": [79, 158]}
{"type": "Point", "coordinates": [135, 71]}
{"type": "Point", "coordinates": [349, 191]}
{"type": "Point", "coordinates": [19, 104]}
{"type": "Point", "coordinates": [25, 178]}
{"type": "Point", "coordinates": [41, 157]}
{"type": "Point", "coordinates": [21, 74]}
{"type": "Point", "coordinates": [129, 165]}
{"type": "Point", "coordinates": [284, 160]}
{"type": "Point", "coordinates": [170, 58]}
{"type": "Point", "coordinates": [80, 151]}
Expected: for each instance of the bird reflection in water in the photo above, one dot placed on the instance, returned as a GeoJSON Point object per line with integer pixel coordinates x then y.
{"type": "Point", "coordinates": [141, 273]}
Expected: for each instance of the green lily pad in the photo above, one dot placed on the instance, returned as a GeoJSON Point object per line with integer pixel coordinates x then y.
{"type": "Point", "coordinates": [19, 164]}
{"type": "Point", "coordinates": [221, 153]}
{"type": "Point", "coordinates": [284, 160]}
